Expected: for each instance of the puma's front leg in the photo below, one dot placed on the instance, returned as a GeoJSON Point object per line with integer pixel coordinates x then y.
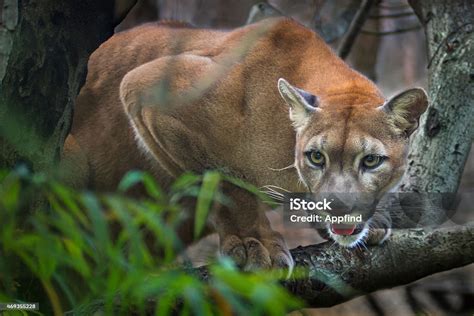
{"type": "Point", "coordinates": [246, 235]}
{"type": "Point", "coordinates": [379, 229]}
{"type": "Point", "coordinates": [166, 127]}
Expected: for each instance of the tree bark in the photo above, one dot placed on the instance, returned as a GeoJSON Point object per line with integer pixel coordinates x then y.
{"type": "Point", "coordinates": [440, 148]}
{"type": "Point", "coordinates": [44, 48]}
{"type": "Point", "coordinates": [333, 275]}
{"type": "Point", "coordinates": [136, 13]}
{"type": "Point", "coordinates": [329, 275]}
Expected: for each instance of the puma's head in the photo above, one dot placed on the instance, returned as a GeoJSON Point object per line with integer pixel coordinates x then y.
{"type": "Point", "coordinates": [352, 145]}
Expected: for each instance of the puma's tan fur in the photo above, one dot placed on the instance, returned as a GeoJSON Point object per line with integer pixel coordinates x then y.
{"type": "Point", "coordinates": [168, 100]}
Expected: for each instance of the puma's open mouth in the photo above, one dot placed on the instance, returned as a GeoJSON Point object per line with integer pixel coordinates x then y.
{"type": "Point", "coordinates": [346, 229]}
{"type": "Point", "coordinates": [348, 235]}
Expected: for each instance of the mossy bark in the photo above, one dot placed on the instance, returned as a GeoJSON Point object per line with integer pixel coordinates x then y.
{"type": "Point", "coordinates": [441, 146]}
{"type": "Point", "coordinates": [332, 274]}
{"type": "Point", "coordinates": [44, 48]}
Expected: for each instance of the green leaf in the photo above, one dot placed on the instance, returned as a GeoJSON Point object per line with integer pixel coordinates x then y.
{"type": "Point", "coordinates": [135, 177]}
{"type": "Point", "coordinates": [130, 179]}
{"type": "Point", "coordinates": [209, 187]}
{"type": "Point", "coordinates": [185, 181]}
{"type": "Point", "coordinates": [97, 218]}
{"type": "Point", "coordinates": [77, 257]}
{"type": "Point", "coordinates": [10, 194]}
{"type": "Point", "coordinates": [248, 187]}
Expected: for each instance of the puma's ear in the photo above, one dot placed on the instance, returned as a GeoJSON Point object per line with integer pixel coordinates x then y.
{"type": "Point", "coordinates": [302, 104]}
{"type": "Point", "coordinates": [405, 110]}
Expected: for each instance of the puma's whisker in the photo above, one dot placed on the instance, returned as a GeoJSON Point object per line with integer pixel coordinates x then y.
{"type": "Point", "coordinates": [363, 244]}
{"type": "Point", "coordinates": [332, 245]}
{"type": "Point", "coordinates": [272, 187]}
{"type": "Point", "coordinates": [284, 168]}
{"type": "Point", "coordinates": [273, 195]}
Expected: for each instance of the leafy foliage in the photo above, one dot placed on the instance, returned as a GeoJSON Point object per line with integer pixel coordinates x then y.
{"type": "Point", "coordinates": [89, 252]}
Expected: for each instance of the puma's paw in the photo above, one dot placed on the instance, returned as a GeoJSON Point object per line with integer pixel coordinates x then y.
{"type": "Point", "coordinates": [380, 230]}
{"type": "Point", "coordinates": [251, 254]}
{"type": "Point", "coordinates": [378, 236]}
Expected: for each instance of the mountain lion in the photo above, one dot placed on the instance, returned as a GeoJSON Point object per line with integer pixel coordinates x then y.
{"type": "Point", "coordinates": [269, 103]}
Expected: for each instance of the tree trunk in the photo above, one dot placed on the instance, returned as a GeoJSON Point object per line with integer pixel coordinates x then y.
{"type": "Point", "coordinates": [143, 11]}
{"type": "Point", "coordinates": [44, 48]}
{"type": "Point", "coordinates": [440, 148]}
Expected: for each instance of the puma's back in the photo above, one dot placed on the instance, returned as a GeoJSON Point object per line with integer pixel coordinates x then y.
{"type": "Point", "coordinates": [100, 125]}
{"type": "Point", "coordinates": [251, 59]}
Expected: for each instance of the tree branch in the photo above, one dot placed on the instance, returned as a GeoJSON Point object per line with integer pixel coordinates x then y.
{"type": "Point", "coordinates": [334, 275]}
{"type": "Point", "coordinates": [354, 29]}
{"type": "Point", "coordinates": [391, 32]}
{"type": "Point", "coordinates": [391, 16]}
{"type": "Point", "coordinates": [122, 8]}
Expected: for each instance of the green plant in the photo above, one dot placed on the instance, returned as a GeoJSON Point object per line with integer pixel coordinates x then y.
{"type": "Point", "coordinates": [87, 252]}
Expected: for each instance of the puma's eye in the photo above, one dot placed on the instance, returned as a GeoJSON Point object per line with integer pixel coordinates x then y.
{"type": "Point", "coordinates": [372, 161]}
{"type": "Point", "coordinates": [316, 158]}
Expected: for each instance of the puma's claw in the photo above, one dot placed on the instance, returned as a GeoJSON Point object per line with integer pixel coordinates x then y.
{"type": "Point", "coordinates": [252, 254]}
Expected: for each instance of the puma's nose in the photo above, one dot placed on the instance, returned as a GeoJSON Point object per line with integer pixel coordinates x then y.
{"type": "Point", "coordinates": [343, 203]}
{"type": "Point", "coordinates": [340, 183]}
